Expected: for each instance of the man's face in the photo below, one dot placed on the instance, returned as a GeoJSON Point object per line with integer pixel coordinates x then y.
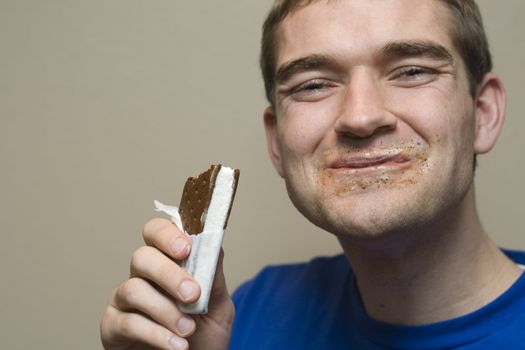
{"type": "Point", "coordinates": [374, 125]}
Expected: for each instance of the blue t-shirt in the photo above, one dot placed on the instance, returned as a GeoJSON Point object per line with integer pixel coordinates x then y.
{"type": "Point", "coordinates": [316, 306]}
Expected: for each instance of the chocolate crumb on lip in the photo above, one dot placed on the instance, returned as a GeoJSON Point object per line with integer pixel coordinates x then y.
{"type": "Point", "coordinates": [343, 169]}
{"type": "Point", "coordinates": [366, 162]}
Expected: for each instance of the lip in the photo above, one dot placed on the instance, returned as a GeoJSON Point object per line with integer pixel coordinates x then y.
{"type": "Point", "coordinates": [362, 170]}
{"type": "Point", "coordinates": [369, 162]}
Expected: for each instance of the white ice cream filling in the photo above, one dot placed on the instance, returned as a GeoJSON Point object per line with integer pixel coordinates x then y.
{"type": "Point", "coordinates": [217, 213]}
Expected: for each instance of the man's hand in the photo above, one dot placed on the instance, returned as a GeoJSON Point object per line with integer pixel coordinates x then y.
{"type": "Point", "coordinates": [142, 312]}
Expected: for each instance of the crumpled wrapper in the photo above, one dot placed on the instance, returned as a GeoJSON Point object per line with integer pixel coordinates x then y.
{"type": "Point", "coordinates": [202, 262]}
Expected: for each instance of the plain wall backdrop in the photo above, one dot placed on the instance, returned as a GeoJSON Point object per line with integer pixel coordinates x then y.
{"type": "Point", "coordinates": [106, 105]}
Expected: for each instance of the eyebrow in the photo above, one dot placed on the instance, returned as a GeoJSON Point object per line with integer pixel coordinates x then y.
{"type": "Point", "coordinates": [303, 64]}
{"type": "Point", "coordinates": [405, 49]}
{"type": "Point", "coordinates": [395, 49]}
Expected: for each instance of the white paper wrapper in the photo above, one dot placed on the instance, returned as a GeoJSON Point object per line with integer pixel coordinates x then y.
{"type": "Point", "coordinates": [202, 262]}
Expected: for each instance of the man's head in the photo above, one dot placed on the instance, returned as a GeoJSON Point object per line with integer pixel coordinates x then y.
{"type": "Point", "coordinates": [467, 33]}
{"type": "Point", "coordinates": [374, 124]}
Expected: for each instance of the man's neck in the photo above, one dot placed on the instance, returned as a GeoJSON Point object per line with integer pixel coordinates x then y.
{"type": "Point", "coordinates": [447, 271]}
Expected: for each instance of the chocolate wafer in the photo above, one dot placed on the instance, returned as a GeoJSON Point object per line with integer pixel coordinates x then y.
{"type": "Point", "coordinates": [196, 198]}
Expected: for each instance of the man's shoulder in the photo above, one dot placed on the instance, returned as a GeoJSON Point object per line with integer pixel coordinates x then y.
{"type": "Point", "coordinates": [318, 273]}
{"type": "Point", "coordinates": [283, 303]}
{"type": "Point", "coordinates": [316, 264]}
{"type": "Point", "coordinates": [517, 256]}
{"type": "Point", "coordinates": [316, 267]}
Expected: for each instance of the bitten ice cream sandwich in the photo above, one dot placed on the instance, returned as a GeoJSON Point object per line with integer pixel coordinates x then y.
{"type": "Point", "coordinates": [203, 214]}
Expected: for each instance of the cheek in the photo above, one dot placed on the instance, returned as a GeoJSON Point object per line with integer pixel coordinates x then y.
{"type": "Point", "coordinates": [456, 130]}
{"type": "Point", "coordinates": [304, 128]}
{"type": "Point", "coordinates": [436, 116]}
{"type": "Point", "coordinates": [445, 122]}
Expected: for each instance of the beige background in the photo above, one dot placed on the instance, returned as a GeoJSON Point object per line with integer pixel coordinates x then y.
{"type": "Point", "coordinates": [106, 105]}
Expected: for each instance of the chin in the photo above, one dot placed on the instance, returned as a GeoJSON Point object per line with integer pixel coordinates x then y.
{"type": "Point", "coordinates": [369, 225]}
{"type": "Point", "coordinates": [373, 213]}
{"type": "Point", "coordinates": [409, 202]}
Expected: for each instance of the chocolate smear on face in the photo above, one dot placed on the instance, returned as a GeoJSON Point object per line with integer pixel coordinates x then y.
{"type": "Point", "coordinates": [343, 183]}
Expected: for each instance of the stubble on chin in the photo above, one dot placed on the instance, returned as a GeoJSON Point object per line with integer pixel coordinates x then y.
{"type": "Point", "coordinates": [373, 209]}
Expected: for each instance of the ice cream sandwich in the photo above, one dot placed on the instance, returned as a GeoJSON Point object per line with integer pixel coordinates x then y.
{"type": "Point", "coordinates": [203, 213]}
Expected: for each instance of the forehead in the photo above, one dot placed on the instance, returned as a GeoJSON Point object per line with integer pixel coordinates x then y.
{"type": "Point", "coordinates": [360, 27]}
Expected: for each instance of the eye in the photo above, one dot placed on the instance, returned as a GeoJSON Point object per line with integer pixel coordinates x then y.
{"type": "Point", "coordinates": [414, 75]}
{"type": "Point", "coordinates": [311, 90]}
{"type": "Point", "coordinates": [311, 86]}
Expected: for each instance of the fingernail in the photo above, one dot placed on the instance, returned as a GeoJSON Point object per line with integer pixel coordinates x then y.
{"type": "Point", "coordinates": [185, 325]}
{"type": "Point", "coordinates": [179, 245]}
{"type": "Point", "coordinates": [188, 289]}
{"type": "Point", "coordinates": [178, 343]}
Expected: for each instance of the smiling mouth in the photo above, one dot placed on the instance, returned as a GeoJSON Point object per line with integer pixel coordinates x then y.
{"type": "Point", "coordinates": [360, 170]}
{"type": "Point", "coordinates": [368, 162]}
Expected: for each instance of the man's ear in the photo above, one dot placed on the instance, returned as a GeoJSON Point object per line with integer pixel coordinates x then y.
{"type": "Point", "coordinates": [270, 126]}
{"type": "Point", "coordinates": [490, 106]}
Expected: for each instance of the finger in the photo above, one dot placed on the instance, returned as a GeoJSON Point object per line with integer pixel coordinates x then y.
{"type": "Point", "coordinates": [220, 301]}
{"type": "Point", "coordinates": [150, 263]}
{"type": "Point", "coordinates": [164, 235]}
{"type": "Point", "coordinates": [119, 328]}
{"type": "Point", "coordinates": [138, 294]}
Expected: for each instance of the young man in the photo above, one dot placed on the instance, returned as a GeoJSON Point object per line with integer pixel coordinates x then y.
{"type": "Point", "coordinates": [377, 112]}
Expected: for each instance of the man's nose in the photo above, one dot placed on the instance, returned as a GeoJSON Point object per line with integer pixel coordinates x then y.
{"type": "Point", "coordinates": [363, 112]}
